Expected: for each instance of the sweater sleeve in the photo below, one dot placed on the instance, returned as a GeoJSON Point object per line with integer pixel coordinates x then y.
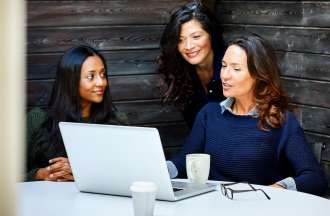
{"type": "Point", "coordinates": [194, 143]}
{"type": "Point", "coordinates": [308, 174]}
{"type": "Point", "coordinates": [35, 118]}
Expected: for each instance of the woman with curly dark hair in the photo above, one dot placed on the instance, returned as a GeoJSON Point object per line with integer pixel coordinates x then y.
{"type": "Point", "coordinates": [252, 136]}
{"type": "Point", "coordinates": [190, 60]}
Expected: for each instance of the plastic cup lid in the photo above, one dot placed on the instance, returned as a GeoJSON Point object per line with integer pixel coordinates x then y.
{"type": "Point", "coordinates": [143, 186]}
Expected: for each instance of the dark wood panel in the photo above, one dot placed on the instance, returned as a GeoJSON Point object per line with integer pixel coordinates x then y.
{"type": "Point", "coordinates": [304, 65]}
{"type": "Point", "coordinates": [307, 91]}
{"type": "Point", "coordinates": [326, 167]}
{"type": "Point", "coordinates": [122, 87]}
{"type": "Point", "coordinates": [315, 119]}
{"type": "Point", "coordinates": [314, 137]}
{"type": "Point", "coordinates": [171, 152]}
{"type": "Point", "coordinates": [274, 13]}
{"type": "Point", "coordinates": [149, 112]}
{"type": "Point", "coordinates": [297, 39]}
{"type": "Point", "coordinates": [82, 13]}
{"type": "Point", "coordinates": [43, 40]}
{"type": "Point", "coordinates": [121, 62]}
{"type": "Point", "coordinates": [172, 134]}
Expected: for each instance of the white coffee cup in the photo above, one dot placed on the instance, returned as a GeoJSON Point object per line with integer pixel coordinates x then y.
{"type": "Point", "coordinates": [198, 168]}
{"type": "Point", "coordinates": [143, 194]}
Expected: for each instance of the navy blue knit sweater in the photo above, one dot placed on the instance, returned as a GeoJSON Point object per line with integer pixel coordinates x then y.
{"type": "Point", "coordinates": [240, 151]}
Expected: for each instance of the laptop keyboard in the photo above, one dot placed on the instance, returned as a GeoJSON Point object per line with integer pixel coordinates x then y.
{"type": "Point", "coordinates": [179, 185]}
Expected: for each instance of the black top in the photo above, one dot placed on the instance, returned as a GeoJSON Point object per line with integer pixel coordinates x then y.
{"type": "Point", "coordinates": [39, 150]}
{"type": "Point", "coordinates": [200, 97]}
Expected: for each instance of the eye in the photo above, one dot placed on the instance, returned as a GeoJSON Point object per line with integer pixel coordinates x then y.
{"type": "Point", "coordinates": [90, 76]}
{"type": "Point", "coordinates": [237, 69]}
{"type": "Point", "coordinates": [196, 36]}
{"type": "Point", "coordinates": [103, 74]}
{"type": "Point", "coordinates": [223, 66]}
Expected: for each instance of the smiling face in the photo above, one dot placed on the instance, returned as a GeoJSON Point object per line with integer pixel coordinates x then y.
{"type": "Point", "coordinates": [195, 44]}
{"type": "Point", "coordinates": [235, 76]}
{"type": "Point", "coordinates": [92, 81]}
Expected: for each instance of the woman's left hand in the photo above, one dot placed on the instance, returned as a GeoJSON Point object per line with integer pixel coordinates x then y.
{"type": "Point", "coordinates": [277, 186]}
{"type": "Point", "coordinates": [60, 169]}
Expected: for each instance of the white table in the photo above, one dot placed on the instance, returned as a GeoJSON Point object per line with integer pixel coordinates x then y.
{"type": "Point", "coordinates": [54, 198]}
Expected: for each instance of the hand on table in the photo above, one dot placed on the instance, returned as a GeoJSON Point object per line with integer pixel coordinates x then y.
{"type": "Point", "coordinates": [59, 170]}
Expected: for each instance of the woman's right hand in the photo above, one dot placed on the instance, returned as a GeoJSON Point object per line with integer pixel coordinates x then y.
{"type": "Point", "coordinates": [58, 170]}
{"type": "Point", "coordinates": [43, 174]}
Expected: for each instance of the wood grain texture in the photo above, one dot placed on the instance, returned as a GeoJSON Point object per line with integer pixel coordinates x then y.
{"type": "Point", "coordinates": [284, 38]}
{"type": "Point", "coordinates": [315, 119]}
{"type": "Point", "coordinates": [305, 65]}
{"type": "Point", "coordinates": [314, 137]}
{"type": "Point", "coordinates": [149, 112]}
{"type": "Point", "coordinates": [46, 40]}
{"type": "Point", "coordinates": [139, 87]}
{"type": "Point", "coordinates": [85, 13]}
{"type": "Point", "coordinates": [308, 92]}
{"type": "Point", "coordinates": [172, 134]}
{"type": "Point", "coordinates": [298, 13]}
{"type": "Point", "coordinates": [326, 167]}
{"type": "Point", "coordinates": [121, 62]}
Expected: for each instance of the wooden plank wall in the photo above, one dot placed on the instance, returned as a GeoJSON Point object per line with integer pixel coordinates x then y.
{"type": "Point", "coordinates": [127, 33]}
{"type": "Point", "coordinates": [300, 33]}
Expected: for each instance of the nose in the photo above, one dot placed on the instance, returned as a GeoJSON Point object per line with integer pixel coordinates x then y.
{"type": "Point", "coordinates": [100, 81]}
{"type": "Point", "coordinates": [225, 73]}
{"type": "Point", "coordinates": [188, 44]}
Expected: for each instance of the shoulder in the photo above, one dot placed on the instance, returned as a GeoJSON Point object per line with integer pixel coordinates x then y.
{"type": "Point", "coordinates": [291, 120]}
{"type": "Point", "coordinates": [291, 124]}
{"type": "Point", "coordinates": [210, 108]}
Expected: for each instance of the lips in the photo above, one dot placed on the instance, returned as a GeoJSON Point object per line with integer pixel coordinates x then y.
{"type": "Point", "coordinates": [99, 92]}
{"type": "Point", "coordinates": [226, 86]}
{"type": "Point", "coordinates": [192, 54]}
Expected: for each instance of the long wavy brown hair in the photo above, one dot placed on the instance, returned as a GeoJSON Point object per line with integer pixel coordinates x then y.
{"type": "Point", "coordinates": [178, 84]}
{"type": "Point", "coordinates": [272, 102]}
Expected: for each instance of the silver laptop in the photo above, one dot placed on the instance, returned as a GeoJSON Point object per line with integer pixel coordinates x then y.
{"type": "Point", "coordinates": [106, 159]}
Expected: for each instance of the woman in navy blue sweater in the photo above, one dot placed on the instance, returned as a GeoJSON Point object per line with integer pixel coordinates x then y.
{"type": "Point", "coordinates": [252, 136]}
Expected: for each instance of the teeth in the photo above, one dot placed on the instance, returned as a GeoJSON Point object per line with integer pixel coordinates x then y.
{"type": "Point", "coordinates": [193, 54]}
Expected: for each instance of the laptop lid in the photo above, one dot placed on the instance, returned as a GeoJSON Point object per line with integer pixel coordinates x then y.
{"type": "Point", "coordinates": [107, 159]}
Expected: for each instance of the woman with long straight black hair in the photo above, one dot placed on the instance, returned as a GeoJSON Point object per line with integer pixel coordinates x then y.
{"type": "Point", "coordinates": [80, 94]}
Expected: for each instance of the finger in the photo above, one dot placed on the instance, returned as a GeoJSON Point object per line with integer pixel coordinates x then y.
{"type": "Point", "coordinates": [51, 178]}
{"type": "Point", "coordinates": [59, 159]}
{"type": "Point", "coordinates": [58, 166]}
{"type": "Point", "coordinates": [58, 175]}
{"type": "Point", "coordinates": [64, 167]}
{"type": "Point", "coordinates": [55, 167]}
{"type": "Point", "coordinates": [67, 177]}
{"type": "Point", "coordinates": [277, 186]}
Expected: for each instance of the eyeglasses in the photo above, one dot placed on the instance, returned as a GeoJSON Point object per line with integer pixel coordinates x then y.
{"type": "Point", "coordinates": [229, 193]}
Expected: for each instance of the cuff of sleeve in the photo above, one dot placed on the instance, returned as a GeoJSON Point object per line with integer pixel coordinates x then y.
{"type": "Point", "coordinates": [172, 170]}
{"type": "Point", "coordinates": [31, 175]}
{"type": "Point", "coordinates": [288, 183]}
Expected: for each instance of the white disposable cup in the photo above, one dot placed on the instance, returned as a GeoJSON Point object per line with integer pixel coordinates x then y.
{"type": "Point", "coordinates": [198, 168]}
{"type": "Point", "coordinates": [143, 194]}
